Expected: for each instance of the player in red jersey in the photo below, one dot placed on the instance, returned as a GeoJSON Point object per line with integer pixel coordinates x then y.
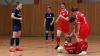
{"type": "Point", "coordinates": [71, 48]}
{"type": "Point", "coordinates": [81, 30]}
{"type": "Point", "coordinates": [63, 25]}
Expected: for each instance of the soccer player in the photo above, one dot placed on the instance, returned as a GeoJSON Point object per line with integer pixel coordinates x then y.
{"type": "Point", "coordinates": [16, 27]}
{"type": "Point", "coordinates": [70, 48]}
{"type": "Point", "coordinates": [81, 30]}
{"type": "Point", "coordinates": [63, 26]}
{"type": "Point", "coordinates": [49, 23]}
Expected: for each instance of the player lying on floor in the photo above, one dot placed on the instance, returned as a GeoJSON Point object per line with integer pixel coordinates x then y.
{"type": "Point", "coordinates": [80, 47]}
{"type": "Point", "coordinates": [73, 48]}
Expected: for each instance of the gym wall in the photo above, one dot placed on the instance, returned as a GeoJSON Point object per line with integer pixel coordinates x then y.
{"type": "Point", "coordinates": [33, 16]}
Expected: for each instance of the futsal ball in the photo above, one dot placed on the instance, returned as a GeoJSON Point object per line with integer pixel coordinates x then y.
{"type": "Point", "coordinates": [60, 49]}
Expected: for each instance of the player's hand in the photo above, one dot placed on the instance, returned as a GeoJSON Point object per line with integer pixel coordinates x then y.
{"type": "Point", "coordinates": [20, 18]}
{"type": "Point", "coordinates": [56, 20]}
{"type": "Point", "coordinates": [66, 18]}
{"type": "Point", "coordinates": [51, 24]}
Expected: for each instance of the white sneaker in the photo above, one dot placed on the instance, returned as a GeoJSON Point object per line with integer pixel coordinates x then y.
{"type": "Point", "coordinates": [82, 53]}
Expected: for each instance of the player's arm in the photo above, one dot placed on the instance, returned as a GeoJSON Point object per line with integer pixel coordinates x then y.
{"type": "Point", "coordinates": [53, 19]}
{"type": "Point", "coordinates": [44, 22]}
{"type": "Point", "coordinates": [78, 28]}
{"type": "Point", "coordinates": [82, 15]}
{"type": "Point", "coordinates": [66, 18]}
{"type": "Point", "coordinates": [57, 19]}
{"type": "Point", "coordinates": [73, 32]}
{"type": "Point", "coordinates": [12, 16]}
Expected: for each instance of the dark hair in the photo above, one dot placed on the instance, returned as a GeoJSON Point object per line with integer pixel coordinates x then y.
{"type": "Point", "coordinates": [49, 7]}
{"type": "Point", "coordinates": [17, 3]}
{"type": "Point", "coordinates": [63, 3]}
{"type": "Point", "coordinates": [72, 19]}
{"type": "Point", "coordinates": [74, 9]}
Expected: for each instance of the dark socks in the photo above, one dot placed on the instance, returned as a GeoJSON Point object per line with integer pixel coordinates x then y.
{"type": "Point", "coordinates": [12, 41]}
{"type": "Point", "coordinates": [53, 36]}
{"type": "Point", "coordinates": [46, 36]}
{"type": "Point", "coordinates": [17, 41]}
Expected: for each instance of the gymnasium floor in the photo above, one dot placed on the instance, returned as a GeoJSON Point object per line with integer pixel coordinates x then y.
{"type": "Point", "coordinates": [36, 46]}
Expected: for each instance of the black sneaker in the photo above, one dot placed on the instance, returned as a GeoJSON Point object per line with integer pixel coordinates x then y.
{"type": "Point", "coordinates": [57, 46]}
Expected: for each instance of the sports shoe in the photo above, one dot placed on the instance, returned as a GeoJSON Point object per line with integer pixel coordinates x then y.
{"type": "Point", "coordinates": [11, 50]}
{"type": "Point", "coordinates": [57, 46]}
{"type": "Point", "coordinates": [19, 49]}
{"type": "Point", "coordinates": [82, 53]}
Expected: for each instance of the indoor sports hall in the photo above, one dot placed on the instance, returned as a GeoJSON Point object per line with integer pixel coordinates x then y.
{"type": "Point", "coordinates": [33, 31]}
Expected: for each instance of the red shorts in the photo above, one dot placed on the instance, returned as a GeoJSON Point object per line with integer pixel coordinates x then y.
{"type": "Point", "coordinates": [63, 26]}
{"type": "Point", "coordinates": [84, 31]}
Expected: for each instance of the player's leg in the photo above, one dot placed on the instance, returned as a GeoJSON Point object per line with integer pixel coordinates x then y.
{"type": "Point", "coordinates": [58, 38]}
{"type": "Point", "coordinates": [13, 37]}
{"type": "Point", "coordinates": [12, 40]}
{"type": "Point", "coordinates": [83, 45]}
{"type": "Point", "coordinates": [65, 30]}
{"type": "Point", "coordinates": [47, 29]}
{"type": "Point", "coordinates": [84, 33]}
{"type": "Point", "coordinates": [46, 35]}
{"type": "Point", "coordinates": [52, 34]}
{"type": "Point", "coordinates": [18, 38]}
{"type": "Point", "coordinates": [52, 31]}
{"type": "Point", "coordinates": [18, 41]}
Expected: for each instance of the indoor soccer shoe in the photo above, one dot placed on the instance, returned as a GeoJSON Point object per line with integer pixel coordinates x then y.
{"type": "Point", "coordinates": [19, 49]}
{"type": "Point", "coordinates": [82, 53]}
{"type": "Point", "coordinates": [57, 46]}
{"type": "Point", "coordinates": [11, 50]}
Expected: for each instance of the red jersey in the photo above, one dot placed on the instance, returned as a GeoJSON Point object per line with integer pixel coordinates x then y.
{"type": "Point", "coordinates": [64, 13]}
{"type": "Point", "coordinates": [80, 18]}
{"type": "Point", "coordinates": [84, 25]}
{"type": "Point", "coordinates": [72, 48]}
{"type": "Point", "coordinates": [63, 24]}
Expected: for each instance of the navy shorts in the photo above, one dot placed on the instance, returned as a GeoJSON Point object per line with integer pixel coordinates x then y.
{"type": "Point", "coordinates": [49, 27]}
{"type": "Point", "coordinates": [16, 28]}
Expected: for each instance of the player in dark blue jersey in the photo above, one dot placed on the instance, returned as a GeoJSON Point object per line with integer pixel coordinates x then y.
{"type": "Point", "coordinates": [16, 27]}
{"type": "Point", "coordinates": [49, 23]}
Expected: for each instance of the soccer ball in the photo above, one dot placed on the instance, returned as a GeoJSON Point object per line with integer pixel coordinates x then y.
{"type": "Point", "coordinates": [60, 49]}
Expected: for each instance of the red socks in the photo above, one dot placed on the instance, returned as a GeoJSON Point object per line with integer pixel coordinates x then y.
{"type": "Point", "coordinates": [58, 40]}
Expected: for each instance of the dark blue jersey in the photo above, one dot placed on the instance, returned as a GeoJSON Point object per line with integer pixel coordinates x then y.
{"type": "Point", "coordinates": [17, 13]}
{"type": "Point", "coordinates": [49, 17]}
